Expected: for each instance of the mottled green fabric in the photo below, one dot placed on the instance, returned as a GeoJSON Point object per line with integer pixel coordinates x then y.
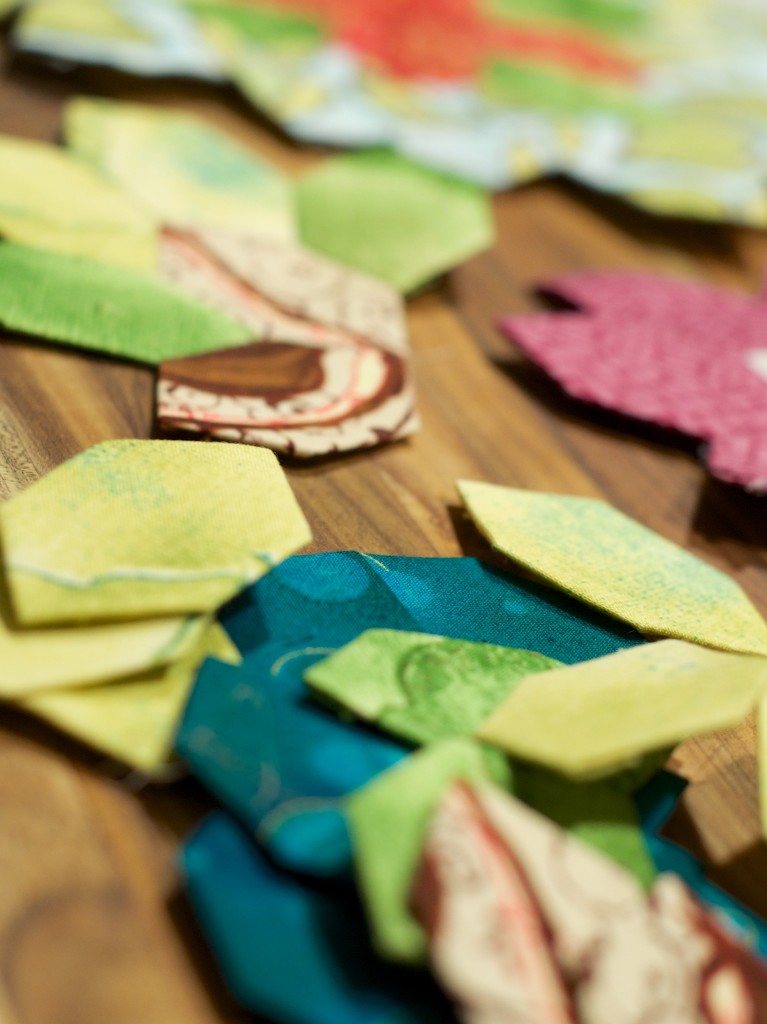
{"type": "Point", "coordinates": [380, 213]}
{"type": "Point", "coordinates": [114, 310]}
{"type": "Point", "coordinates": [422, 687]}
{"type": "Point", "coordinates": [388, 819]}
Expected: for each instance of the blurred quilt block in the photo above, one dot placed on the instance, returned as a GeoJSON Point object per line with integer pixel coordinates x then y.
{"type": "Point", "coordinates": [389, 217]}
{"type": "Point", "coordinates": [682, 354]}
{"type": "Point", "coordinates": [291, 951]}
{"type": "Point", "coordinates": [119, 312]}
{"type": "Point", "coordinates": [528, 923]}
{"type": "Point", "coordinates": [621, 96]}
{"type": "Point", "coordinates": [134, 529]}
{"type": "Point", "coordinates": [600, 715]}
{"type": "Point", "coordinates": [420, 687]}
{"type": "Point", "coordinates": [51, 200]}
{"type": "Point", "coordinates": [182, 171]}
{"type": "Point", "coordinates": [595, 553]}
{"type": "Point", "coordinates": [329, 370]}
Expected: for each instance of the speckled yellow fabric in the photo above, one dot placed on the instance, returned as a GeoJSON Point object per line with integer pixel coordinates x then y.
{"type": "Point", "coordinates": [594, 552]}
{"type": "Point", "coordinates": [133, 720]}
{"type": "Point", "coordinates": [600, 715]}
{"type": "Point", "coordinates": [135, 529]}
{"type": "Point", "coordinates": [51, 200]}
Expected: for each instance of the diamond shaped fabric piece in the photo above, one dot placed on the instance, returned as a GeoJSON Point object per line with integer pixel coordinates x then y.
{"type": "Point", "coordinates": [134, 719]}
{"type": "Point", "coordinates": [600, 715]}
{"type": "Point", "coordinates": [113, 310]}
{"type": "Point", "coordinates": [181, 169]}
{"type": "Point", "coordinates": [682, 354]}
{"type": "Point", "coordinates": [594, 552]}
{"type": "Point", "coordinates": [51, 200]}
{"type": "Point", "coordinates": [134, 529]}
{"type": "Point", "coordinates": [422, 688]}
{"type": "Point", "coordinates": [382, 214]}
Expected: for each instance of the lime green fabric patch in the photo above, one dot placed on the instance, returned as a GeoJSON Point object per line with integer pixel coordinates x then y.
{"type": "Point", "coordinates": [598, 716]}
{"type": "Point", "coordinates": [133, 529]}
{"type": "Point", "coordinates": [108, 309]}
{"type": "Point", "coordinates": [180, 169]}
{"type": "Point", "coordinates": [422, 687]}
{"type": "Point", "coordinates": [594, 552]}
{"type": "Point", "coordinates": [397, 221]}
{"type": "Point", "coordinates": [388, 819]}
{"type": "Point", "coordinates": [51, 200]}
{"type": "Point", "coordinates": [133, 720]}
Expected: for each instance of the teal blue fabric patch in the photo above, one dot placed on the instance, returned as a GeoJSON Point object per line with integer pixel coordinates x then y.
{"type": "Point", "coordinates": [292, 952]}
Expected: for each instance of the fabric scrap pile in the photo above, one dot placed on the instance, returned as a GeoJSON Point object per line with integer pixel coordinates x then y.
{"type": "Point", "coordinates": [659, 101]}
{"type": "Point", "coordinates": [155, 238]}
{"type": "Point", "coordinates": [431, 762]}
{"type": "Point", "coordinates": [114, 567]}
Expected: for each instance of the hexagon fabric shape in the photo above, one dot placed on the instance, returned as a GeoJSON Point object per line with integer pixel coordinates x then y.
{"type": "Point", "coordinates": [400, 222]}
{"type": "Point", "coordinates": [132, 529]}
{"type": "Point", "coordinates": [596, 553]}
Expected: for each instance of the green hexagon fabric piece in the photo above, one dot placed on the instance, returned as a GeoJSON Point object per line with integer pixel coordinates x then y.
{"type": "Point", "coordinates": [133, 529]}
{"type": "Point", "coordinates": [421, 687]}
{"type": "Point", "coordinates": [388, 819]}
{"type": "Point", "coordinates": [113, 310]}
{"type": "Point", "coordinates": [402, 223]}
{"type": "Point", "coordinates": [596, 553]}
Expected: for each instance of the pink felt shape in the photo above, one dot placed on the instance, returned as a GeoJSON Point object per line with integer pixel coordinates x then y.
{"type": "Point", "coordinates": [681, 354]}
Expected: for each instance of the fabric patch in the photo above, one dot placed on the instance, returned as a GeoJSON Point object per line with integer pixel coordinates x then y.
{"type": "Point", "coordinates": [500, 885]}
{"type": "Point", "coordinates": [48, 659]}
{"type": "Point", "coordinates": [51, 200]}
{"type": "Point", "coordinates": [421, 687]}
{"type": "Point", "coordinates": [132, 529]}
{"type": "Point", "coordinates": [330, 371]}
{"type": "Point", "coordinates": [113, 310]}
{"type": "Point", "coordinates": [600, 715]}
{"type": "Point", "coordinates": [134, 719]}
{"type": "Point", "coordinates": [594, 552]}
{"type": "Point", "coordinates": [682, 354]}
{"type": "Point", "coordinates": [181, 170]}
{"type": "Point", "coordinates": [388, 820]}
{"type": "Point", "coordinates": [385, 215]}
{"type": "Point", "coordinates": [292, 952]}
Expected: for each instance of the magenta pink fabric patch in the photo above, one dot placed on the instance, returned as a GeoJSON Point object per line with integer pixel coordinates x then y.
{"type": "Point", "coordinates": [684, 355]}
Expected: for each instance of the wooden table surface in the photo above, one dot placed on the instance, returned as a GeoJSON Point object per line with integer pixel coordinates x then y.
{"type": "Point", "coordinates": [93, 928]}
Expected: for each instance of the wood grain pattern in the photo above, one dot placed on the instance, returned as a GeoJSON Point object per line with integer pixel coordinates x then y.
{"type": "Point", "coordinates": [91, 927]}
